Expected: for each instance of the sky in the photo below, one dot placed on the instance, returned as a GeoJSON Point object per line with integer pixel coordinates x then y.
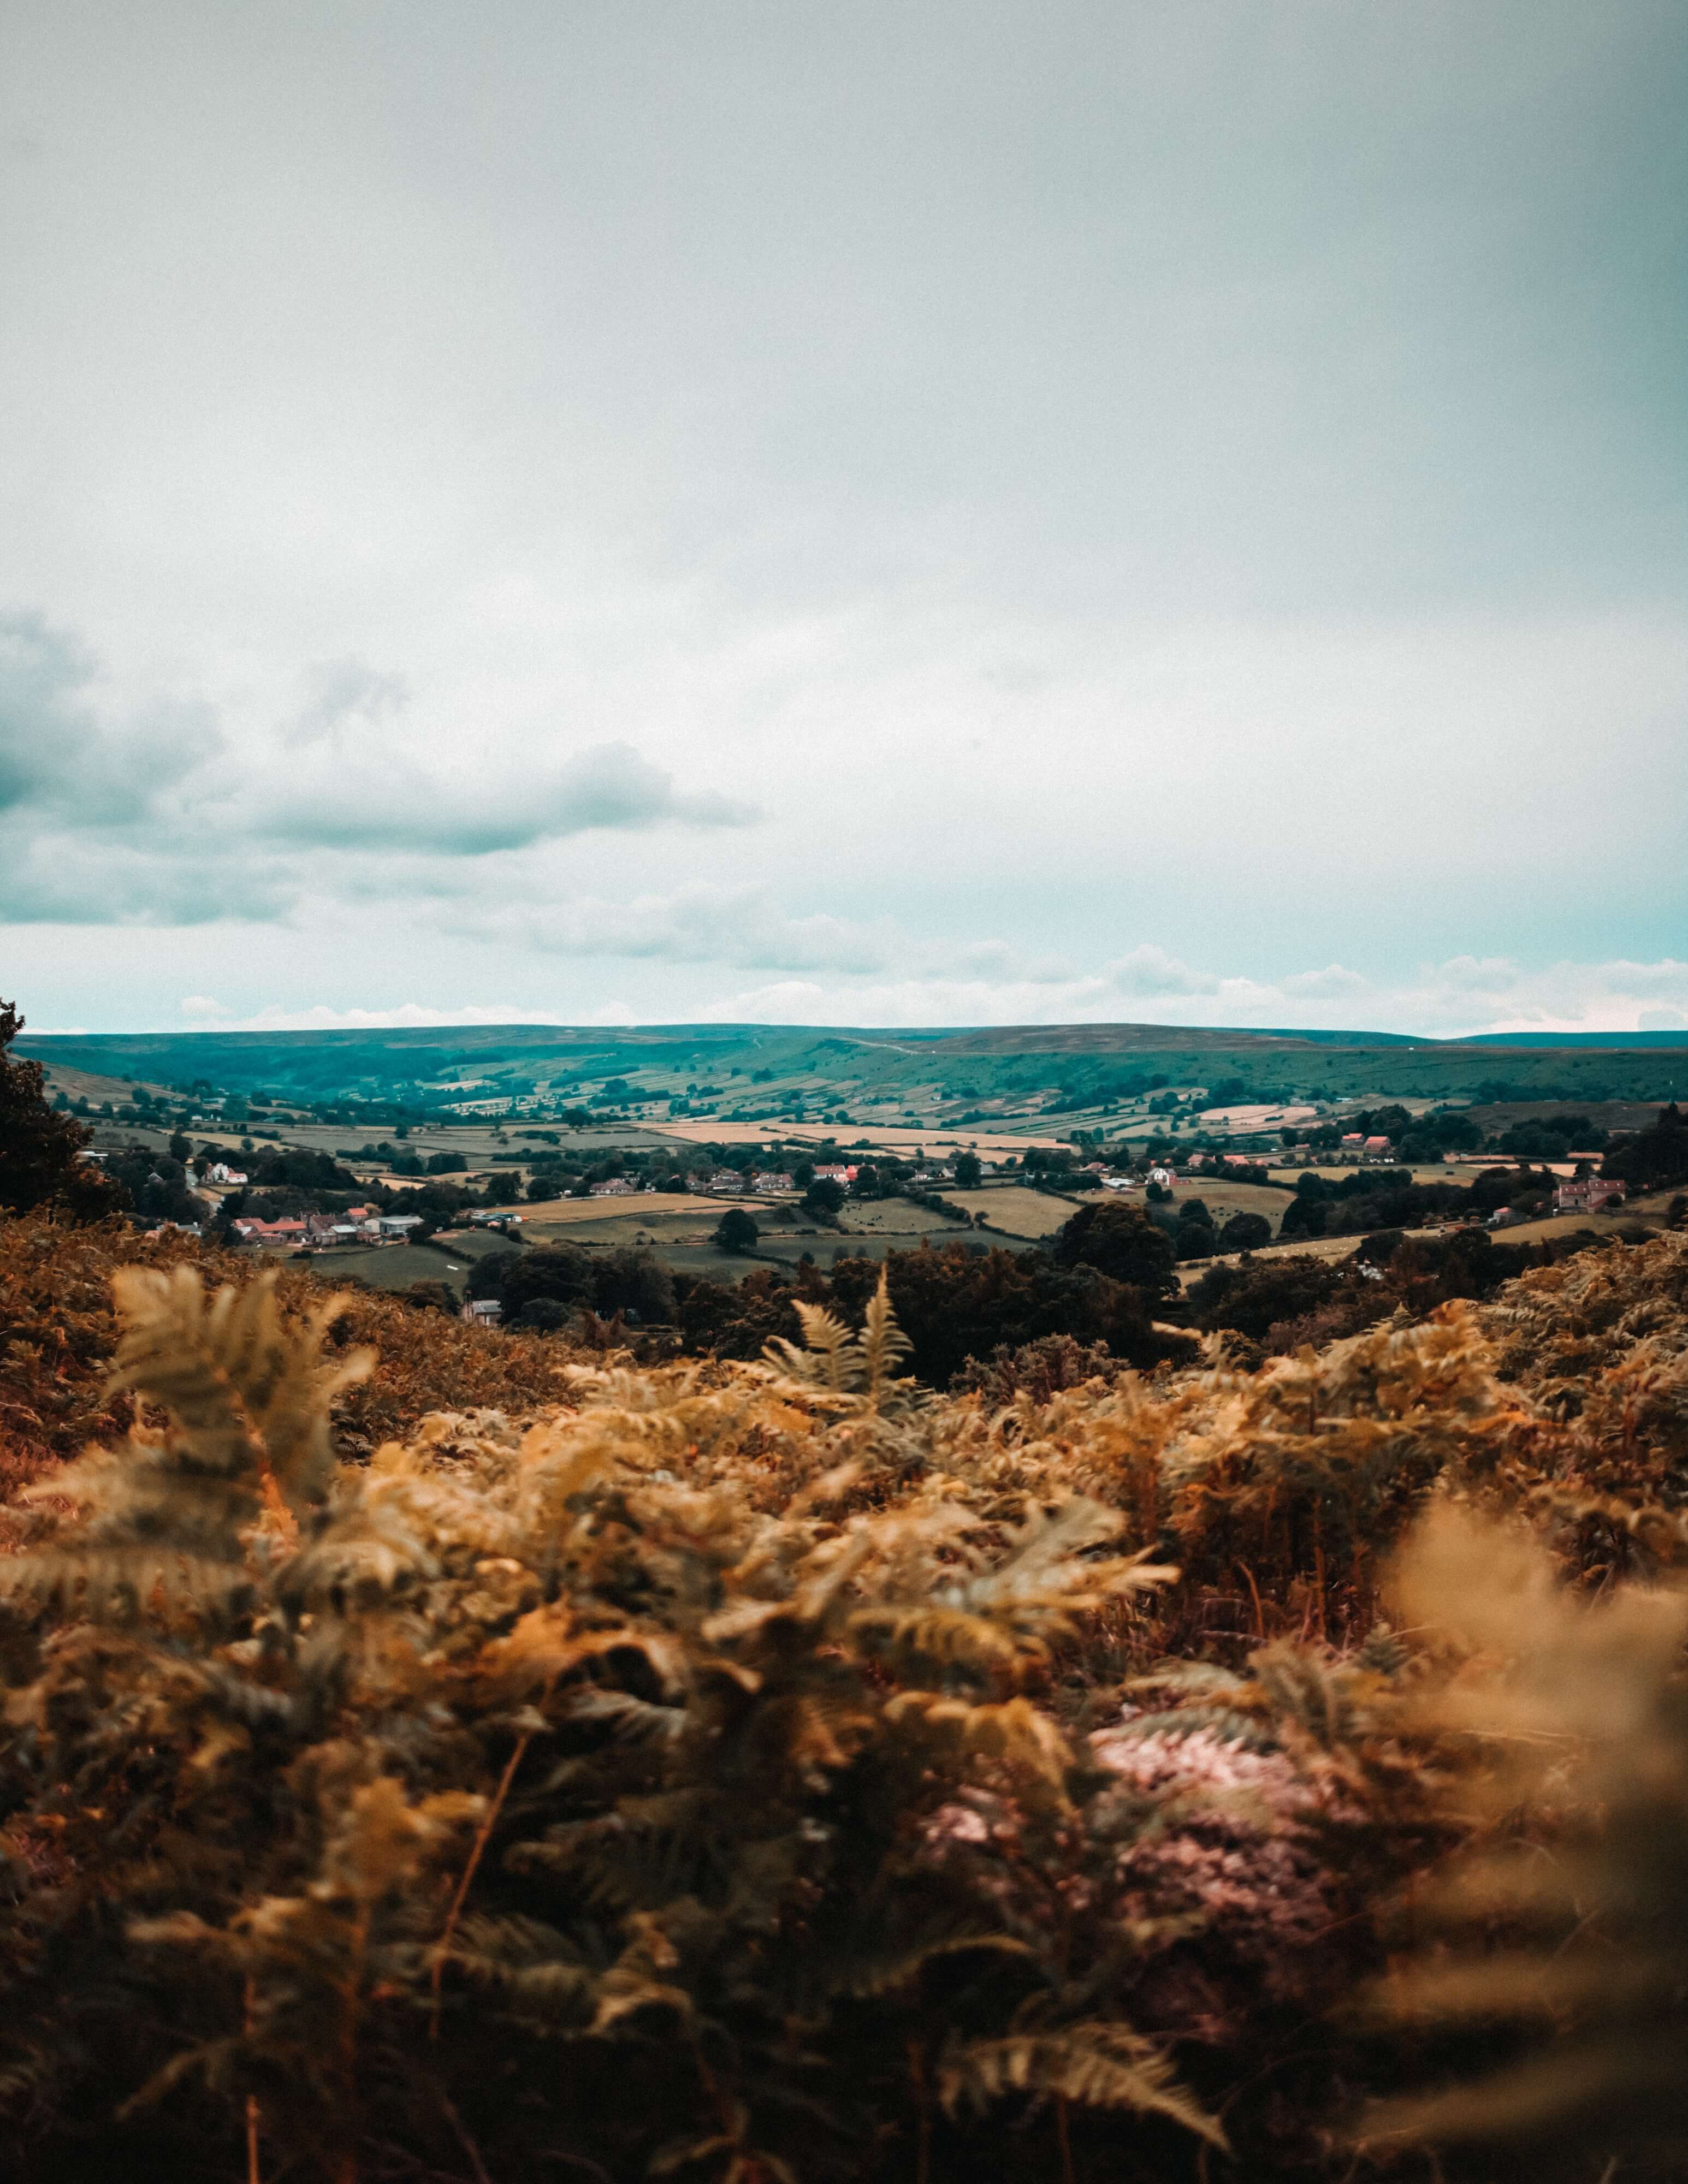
{"type": "Point", "coordinates": [557, 510]}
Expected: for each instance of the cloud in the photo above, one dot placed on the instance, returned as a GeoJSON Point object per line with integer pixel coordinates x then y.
{"type": "Point", "coordinates": [392, 806]}
{"type": "Point", "coordinates": [1457, 998]}
{"type": "Point", "coordinates": [345, 692]}
{"type": "Point", "coordinates": [411, 1015]}
{"type": "Point", "coordinates": [746, 927]}
{"type": "Point", "coordinates": [54, 876]}
{"type": "Point", "coordinates": [738, 925]}
{"type": "Point", "coordinates": [60, 761]}
{"type": "Point", "coordinates": [160, 818]}
{"type": "Point", "coordinates": [1151, 972]}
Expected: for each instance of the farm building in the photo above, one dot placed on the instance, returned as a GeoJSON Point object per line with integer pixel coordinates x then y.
{"type": "Point", "coordinates": [1587, 1194]}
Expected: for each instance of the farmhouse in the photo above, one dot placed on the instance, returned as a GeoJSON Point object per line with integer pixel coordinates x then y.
{"type": "Point", "coordinates": [618, 1186]}
{"type": "Point", "coordinates": [771, 1181]}
{"type": "Point", "coordinates": [1587, 1194]}
{"type": "Point", "coordinates": [285, 1231]}
{"type": "Point", "coordinates": [835, 1171]}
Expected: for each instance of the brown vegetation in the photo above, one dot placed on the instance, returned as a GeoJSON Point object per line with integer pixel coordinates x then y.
{"type": "Point", "coordinates": [875, 1784]}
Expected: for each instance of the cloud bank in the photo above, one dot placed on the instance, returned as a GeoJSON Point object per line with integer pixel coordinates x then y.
{"type": "Point", "coordinates": [161, 817]}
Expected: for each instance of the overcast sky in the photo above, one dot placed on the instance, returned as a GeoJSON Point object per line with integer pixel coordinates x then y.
{"type": "Point", "coordinates": [876, 512]}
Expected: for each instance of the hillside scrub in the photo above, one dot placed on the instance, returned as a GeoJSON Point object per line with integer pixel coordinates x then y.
{"type": "Point", "coordinates": [887, 1785]}
{"type": "Point", "coordinates": [58, 1333]}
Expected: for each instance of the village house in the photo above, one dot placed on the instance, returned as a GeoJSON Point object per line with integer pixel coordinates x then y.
{"type": "Point", "coordinates": [617, 1186]}
{"type": "Point", "coordinates": [284, 1231]}
{"type": "Point", "coordinates": [1375, 1148]}
{"type": "Point", "coordinates": [1587, 1194]}
{"type": "Point", "coordinates": [834, 1171]}
{"type": "Point", "coordinates": [481, 1311]}
{"type": "Point", "coordinates": [221, 1172]}
{"type": "Point", "coordinates": [769, 1182]}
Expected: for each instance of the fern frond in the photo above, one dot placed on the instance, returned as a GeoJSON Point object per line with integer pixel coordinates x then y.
{"type": "Point", "coordinates": [1096, 2063]}
{"type": "Point", "coordinates": [884, 1344]}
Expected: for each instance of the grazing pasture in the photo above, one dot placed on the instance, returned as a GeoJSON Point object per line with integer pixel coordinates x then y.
{"type": "Point", "coordinates": [1016, 1211]}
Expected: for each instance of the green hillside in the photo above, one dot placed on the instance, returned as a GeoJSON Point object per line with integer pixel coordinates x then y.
{"type": "Point", "coordinates": [730, 1068]}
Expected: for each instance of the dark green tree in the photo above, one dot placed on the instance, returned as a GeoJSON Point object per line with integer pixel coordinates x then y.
{"type": "Point", "coordinates": [824, 1197]}
{"type": "Point", "coordinates": [1245, 1232]}
{"type": "Point", "coordinates": [41, 1153]}
{"type": "Point", "coordinates": [1122, 1243]}
{"type": "Point", "coordinates": [737, 1230]}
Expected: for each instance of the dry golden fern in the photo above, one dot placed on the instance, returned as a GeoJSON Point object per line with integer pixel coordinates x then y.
{"type": "Point", "coordinates": [248, 1397]}
{"type": "Point", "coordinates": [833, 1361]}
{"type": "Point", "coordinates": [786, 1744]}
{"type": "Point", "coordinates": [1575, 1924]}
{"type": "Point", "coordinates": [1096, 2065]}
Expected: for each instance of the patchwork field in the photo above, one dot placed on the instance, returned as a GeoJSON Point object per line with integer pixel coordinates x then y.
{"type": "Point", "coordinates": [706, 1129]}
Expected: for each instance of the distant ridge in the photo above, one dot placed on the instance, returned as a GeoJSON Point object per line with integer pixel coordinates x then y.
{"type": "Point", "coordinates": [1058, 1068]}
{"type": "Point", "coordinates": [1557, 1039]}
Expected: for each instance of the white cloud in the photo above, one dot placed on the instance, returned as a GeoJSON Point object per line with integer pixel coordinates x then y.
{"type": "Point", "coordinates": [1452, 999]}
{"type": "Point", "coordinates": [413, 1014]}
{"type": "Point", "coordinates": [1152, 974]}
{"type": "Point", "coordinates": [745, 926]}
{"type": "Point", "coordinates": [1332, 983]}
{"type": "Point", "coordinates": [159, 816]}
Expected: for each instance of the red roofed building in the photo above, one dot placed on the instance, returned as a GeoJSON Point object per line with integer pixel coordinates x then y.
{"type": "Point", "coordinates": [284, 1231]}
{"type": "Point", "coordinates": [1587, 1194]}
